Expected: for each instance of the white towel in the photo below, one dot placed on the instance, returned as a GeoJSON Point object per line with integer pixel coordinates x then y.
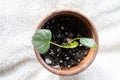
{"type": "Point", "coordinates": [18, 20]}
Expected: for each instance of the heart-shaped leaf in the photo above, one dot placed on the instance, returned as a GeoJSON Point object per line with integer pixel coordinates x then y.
{"type": "Point", "coordinates": [88, 42]}
{"type": "Point", "coordinates": [71, 45]}
{"type": "Point", "coordinates": [41, 40]}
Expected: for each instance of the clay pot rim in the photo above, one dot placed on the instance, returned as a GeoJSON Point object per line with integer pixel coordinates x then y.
{"type": "Point", "coordinates": [76, 70]}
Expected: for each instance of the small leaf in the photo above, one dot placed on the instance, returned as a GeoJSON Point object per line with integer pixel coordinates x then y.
{"type": "Point", "coordinates": [88, 42]}
{"type": "Point", "coordinates": [71, 45]}
{"type": "Point", "coordinates": [41, 40]}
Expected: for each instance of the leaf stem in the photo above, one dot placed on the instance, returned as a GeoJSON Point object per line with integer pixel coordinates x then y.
{"type": "Point", "coordinates": [56, 44]}
{"type": "Point", "coordinates": [62, 46]}
{"type": "Point", "coordinates": [75, 39]}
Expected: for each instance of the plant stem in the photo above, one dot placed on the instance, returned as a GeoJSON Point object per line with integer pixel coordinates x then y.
{"type": "Point", "coordinates": [75, 39]}
{"type": "Point", "coordinates": [57, 44]}
{"type": "Point", "coordinates": [62, 46]}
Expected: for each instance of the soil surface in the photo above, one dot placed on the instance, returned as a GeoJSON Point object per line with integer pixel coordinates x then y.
{"type": "Point", "coordinates": [64, 28]}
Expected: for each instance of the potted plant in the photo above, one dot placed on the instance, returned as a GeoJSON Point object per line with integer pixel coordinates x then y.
{"type": "Point", "coordinates": [65, 42]}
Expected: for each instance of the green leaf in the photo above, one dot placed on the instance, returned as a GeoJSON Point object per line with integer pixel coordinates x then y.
{"type": "Point", "coordinates": [41, 40]}
{"type": "Point", "coordinates": [71, 45]}
{"type": "Point", "coordinates": [88, 42]}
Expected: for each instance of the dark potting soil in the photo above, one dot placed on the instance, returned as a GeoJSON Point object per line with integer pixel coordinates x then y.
{"type": "Point", "coordinates": [64, 28]}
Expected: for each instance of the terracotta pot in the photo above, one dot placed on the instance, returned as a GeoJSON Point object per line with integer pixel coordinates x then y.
{"type": "Point", "coordinates": [91, 54]}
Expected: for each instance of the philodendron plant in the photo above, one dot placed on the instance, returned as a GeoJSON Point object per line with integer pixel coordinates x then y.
{"type": "Point", "coordinates": [42, 40]}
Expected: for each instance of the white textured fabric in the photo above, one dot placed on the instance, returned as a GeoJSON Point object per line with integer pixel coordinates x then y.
{"type": "Point", "coordinates": [18, 20]}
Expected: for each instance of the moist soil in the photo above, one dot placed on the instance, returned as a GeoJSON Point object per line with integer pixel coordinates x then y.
{"type": "Point", "coordinates": [64, 28]}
